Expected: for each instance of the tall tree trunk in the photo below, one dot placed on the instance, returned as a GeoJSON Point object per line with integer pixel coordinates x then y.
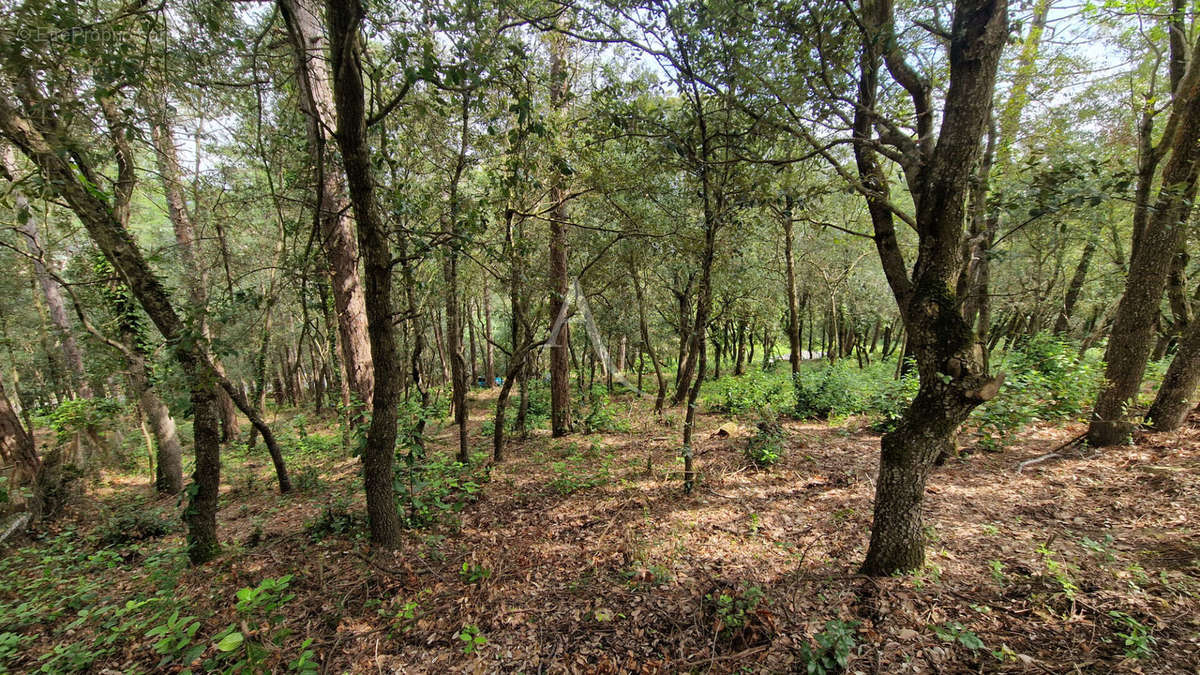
{"type": "Point", "coordinates": [345, 22]}
{"type": "Point", "coordinates": [560, 364]}
{"type": "Point", "coordinates": [16, 446]}
{"type": "Point", "coordinates": [950, 359]}
{"type": "Point", "coordinates": [333, 208]}
{"type": "Point", "coordinates": [1157, 240]}
{"type": "Point", "coordinates": [27, 226]}
{"type": "Point", "coordinates": [1177, 395]}
{"type": "Point", "coordinates": [793, 309]}
{"type": "Point", "coordinates": [644, 326]}
{"type": "Point", "coordinates": [454, 314]}
{"type": "Point", "coordinates": [489, 354]}
{"type": "Point", "coordinates": [195, 276]}
{"type": "Point", "coordinates": [72, 178]}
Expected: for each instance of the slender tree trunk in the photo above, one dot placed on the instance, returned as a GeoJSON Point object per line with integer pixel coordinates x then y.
{"type": "Point", "coordinates": [1063, 323]}
{"type": "Point", "coordinates": [345, 22]}
{"type": "Point", "coordinates": [560, 366]}
{"type": "Point", "coordinates": [793, 309]}
{"type": "Point", "coordinates": [333, 214]}
{"type": "Point", "coordinates": [489, 354]}
{"type": "Point", "coordinates": [1177, 395]}
{"type": "Point", "coordinates": [27, 226]}
{"type": "Point", "coordinates": [644, 327]}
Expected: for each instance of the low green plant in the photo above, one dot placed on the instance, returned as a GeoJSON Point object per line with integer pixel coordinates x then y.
{"type": "Point", "coordinates": [471, 638]}
{"type": "Point", "coordinates": [734, 611]}
{"type": "Point", "coordinates": [336, 520]}
{"type": "Point", "coordinates": [136, 523]}
{"type": "Point", "coordinates": [766, 447]}
{"type": "Point", "coordinates": [472, 573]}
{"type": "Point", "coordinates": [176, 639]}
{"type": "Point", "coordinates": [1139, 642]}
{"type": "Point", "coordinates": [832, 652]}
{"type": "Point", "coordinates": [431, 490]}
{"type": "Point", "coordinates": [599, 415]}
{"type": "Point", "coordinates": [260, 606]}
{"type": "Point", "coordinates": [580, 470]}
{"type": "Point", "coordinates": [954, 632]}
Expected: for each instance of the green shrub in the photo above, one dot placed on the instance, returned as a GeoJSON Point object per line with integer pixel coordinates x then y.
{"type": "Point", "coordinates": [750, 393]}
{"type": "Point", "coordinates": [135, 523]}
{"type": "Point", "coordinates": [766, 447]}
{"type": "Point", "coordinates": [833, 648]}
{"type": "Point", "coordinates": [430, 489]}
{"type": "Point", "coordinates": [598, 413]}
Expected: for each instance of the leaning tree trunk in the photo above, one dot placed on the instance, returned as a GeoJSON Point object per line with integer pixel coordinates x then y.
{"type": "Point", "coordinates": [345, 22]}
{"type": "Point", "coordinates": [195, 276]}
{"type": "Point", "coordinates": [27, 226]}
{"type": "Point", "coordinates": [73, 179]}
{"type": "Point", "coordinates": [1131, 339]}
{"type": "Point", "coordinates": [16, 447]}
{"type": "Point", "coordinates": [1177, 395]}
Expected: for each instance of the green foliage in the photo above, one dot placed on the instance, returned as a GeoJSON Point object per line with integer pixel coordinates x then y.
{"type": "Point", "coordinates": [471, 638]}
{"type": "Point", "coordinates": [337, 520]}
{"type": "Point", "coordinates": [431, 490]}
{"type": "Point", "coordinates": [734, 611]}
{"type": "Point", "coordinates": [598, 413]}
{"type": "Point", "coordinates": [77, 415]}
{"type": "Point", "coordinates": [840, 389]}
{"type": "Point", "coordinates": [579, 470]}
{"type": "Point", "coordinates": [751, 393]}
{"type": "Point", "coordinates": [1139, 643]}
{"type": "Point", "coordinates": [954, 632]}
{"type": "Point", "coordinates": [833, 648]}
{"type": "Point", "coordinates": [261, 606]}
{"type": "Point", "coordinates": [175, 639]}
{"type": "Point", "coordinates": [136, 523]}
{"type": "Point", "coordinates": [766, 447]}
{"type": "Point", "coordinates": [472, 573]}
{"type": "Point", "coordinates": [1046, 380]}
{"type": "Point", "coordinates": [307, 479]}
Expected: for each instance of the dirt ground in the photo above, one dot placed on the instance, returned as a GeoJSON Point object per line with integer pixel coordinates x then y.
{"type": "Point", "coordinates": [575, 558]}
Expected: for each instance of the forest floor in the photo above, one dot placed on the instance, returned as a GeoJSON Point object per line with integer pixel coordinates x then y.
{"type": "Point", "coordinates": [570, 557]}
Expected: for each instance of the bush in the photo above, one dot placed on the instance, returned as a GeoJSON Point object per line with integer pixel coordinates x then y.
{"type": "Point", "coordinates": [599, 415]}
{"type": "Point", "coordinates": [750, 393]}
{"type": "Point", "coordinates": [766, 447]}
{"type": "Point", "coordinates": [336, 519]}
{"type": "Point", "coordinates": [430, 489]}
{"type": "Point", "coordinates": [135, 524]}
{"type": "Point", "coordinates": [840, 389]}
{"type": "Point", "coordinates": [1046, 380]}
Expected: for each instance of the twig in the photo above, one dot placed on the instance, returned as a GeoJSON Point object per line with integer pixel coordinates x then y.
{"type": "Point", "coordinates": [1052, 454]}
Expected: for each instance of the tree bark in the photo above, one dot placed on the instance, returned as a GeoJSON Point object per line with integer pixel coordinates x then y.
{"type": "Point", "coordinates": [345, 22]}
{"type": "Point", "coordinates": [1158, 239]}
{"type": "Point", "coordinates": [1063, 323]}
{"type": "Point", "coordinates": [72, 177]}
{"type": "Point", "coordinates": [333, 208]}
{"type": "Point", "coordinates": [950, 360]}
{"type": "Point", "coordinates": [560, 363]}
{"type": "Point", "coordinates": [1177, 396]}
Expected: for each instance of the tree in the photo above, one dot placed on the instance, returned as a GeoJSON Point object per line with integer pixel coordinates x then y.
{"type": "Point", "coordinates": [345, 24]}
{"type": "Point", "coordinates": [1158, 232]}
